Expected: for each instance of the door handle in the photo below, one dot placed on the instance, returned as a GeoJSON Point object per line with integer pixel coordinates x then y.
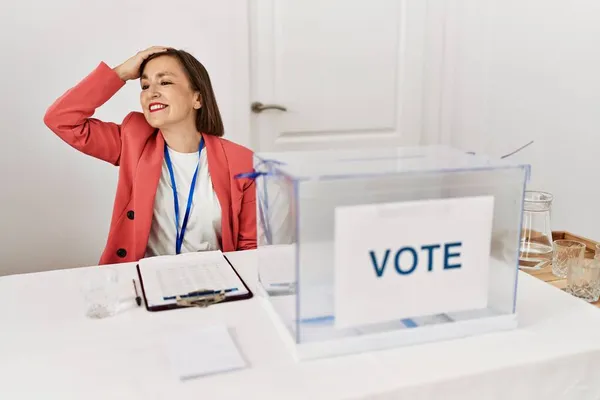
{"type": "Point", "coordinates": [258, 107]}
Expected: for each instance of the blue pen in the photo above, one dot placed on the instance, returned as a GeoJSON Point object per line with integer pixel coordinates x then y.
{"type": "Point", "coordinates": [200, 293]}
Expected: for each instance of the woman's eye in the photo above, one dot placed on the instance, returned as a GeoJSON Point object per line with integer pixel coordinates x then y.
{"type": "Point", "coordinates": [146, 86]}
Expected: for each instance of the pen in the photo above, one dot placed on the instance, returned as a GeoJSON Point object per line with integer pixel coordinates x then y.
{"type": "Point", "coordinates": [200, 293]}
{"type": "Point", "coordinates": [138, 299]}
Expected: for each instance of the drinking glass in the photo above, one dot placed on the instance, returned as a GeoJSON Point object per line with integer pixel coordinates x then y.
{"type": "Point", "coordinates": [101, 292]}
{"type": "Point", "coordinates": [583, 278]}
{"type": "Point", "coordinates": [564, 252]}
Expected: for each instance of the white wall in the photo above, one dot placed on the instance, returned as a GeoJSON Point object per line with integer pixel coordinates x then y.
{"type": "Point", "coordinates": [55, 203]}
{"type": "Point", "coordinates": [520, 70]}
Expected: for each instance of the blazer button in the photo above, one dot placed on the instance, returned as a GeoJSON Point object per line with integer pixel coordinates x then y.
{"type": "Point", "coordinates": [130, 214]}
{"type": "Point", "coordinates": [122, 253]}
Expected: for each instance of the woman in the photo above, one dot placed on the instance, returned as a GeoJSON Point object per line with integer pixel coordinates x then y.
{"type": "Point", "coordinates": [177, 190]}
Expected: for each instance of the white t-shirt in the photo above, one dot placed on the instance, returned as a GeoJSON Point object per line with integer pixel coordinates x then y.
{"type": "Point", "coordinates": [203, 231]}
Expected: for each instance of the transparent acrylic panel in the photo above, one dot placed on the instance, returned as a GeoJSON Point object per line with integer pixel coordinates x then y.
{"type": "Point", "coordinates": [302, 165]}
{"type": "Point", "coordinates": [318, 182]}
{"type": "Point", "coordinates": [277, 241]}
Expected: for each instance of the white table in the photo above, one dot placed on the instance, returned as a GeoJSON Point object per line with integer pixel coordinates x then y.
{"type": "Point", "coordinates": [50, 350]}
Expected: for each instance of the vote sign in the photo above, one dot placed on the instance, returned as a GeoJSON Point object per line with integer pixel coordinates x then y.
{"type": "Point", "coordinates": [410, 259]}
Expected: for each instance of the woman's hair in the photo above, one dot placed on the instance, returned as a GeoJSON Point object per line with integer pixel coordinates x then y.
{"type": "Point", "coordinates": [208, 117]}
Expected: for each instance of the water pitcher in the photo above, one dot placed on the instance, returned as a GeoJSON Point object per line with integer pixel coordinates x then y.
{"type": "Point", "coordinates": [536, 235]}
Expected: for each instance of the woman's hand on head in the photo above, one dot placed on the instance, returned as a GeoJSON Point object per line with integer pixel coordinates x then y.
{"type": "Point", "coordinates": [130, 69]}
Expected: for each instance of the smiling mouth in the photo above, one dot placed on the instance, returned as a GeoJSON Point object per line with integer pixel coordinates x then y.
{"type": "Point", "coordinates": [157, 107]}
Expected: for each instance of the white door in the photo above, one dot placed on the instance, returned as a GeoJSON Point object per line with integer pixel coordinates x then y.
{"type": "Point", "coordinates": [336, 73]}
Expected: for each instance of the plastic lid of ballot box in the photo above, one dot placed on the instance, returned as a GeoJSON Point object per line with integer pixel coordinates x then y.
{"type": "Point", "coordinates": [374, 248]}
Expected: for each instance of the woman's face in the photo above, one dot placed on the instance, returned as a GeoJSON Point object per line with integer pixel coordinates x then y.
{"type": "Point", "coordinates": [166, 97]}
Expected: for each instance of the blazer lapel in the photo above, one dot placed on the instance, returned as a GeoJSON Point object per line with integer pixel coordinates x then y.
{"type": "Point", "coordinates": [218, 168]}
{"type": "Point", "coordinates": [146, 182]}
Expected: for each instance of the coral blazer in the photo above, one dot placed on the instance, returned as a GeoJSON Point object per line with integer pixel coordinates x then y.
{"type": "Point", "coordinates": [138, 150]}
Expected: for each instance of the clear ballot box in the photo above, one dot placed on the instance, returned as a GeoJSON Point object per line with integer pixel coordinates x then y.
{"type": "Point", "coordinates": [368, 249]}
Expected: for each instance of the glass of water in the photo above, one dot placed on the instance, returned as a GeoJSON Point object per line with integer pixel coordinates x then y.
{"type": "Point", "coordinates": [101, 292]}
{"type": "Point", "coordinates": [564, 252]}
{"type": "Point", "coordinates": [583, 278]}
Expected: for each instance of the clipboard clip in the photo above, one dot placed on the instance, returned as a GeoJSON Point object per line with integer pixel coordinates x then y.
{"type": "Point", "coordinates": [201, 301]}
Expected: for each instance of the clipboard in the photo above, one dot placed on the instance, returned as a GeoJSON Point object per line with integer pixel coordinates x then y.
{"type": "Point", "coordinates": [174, 306]}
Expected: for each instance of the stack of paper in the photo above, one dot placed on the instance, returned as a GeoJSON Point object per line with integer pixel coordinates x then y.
{"type": "Point", "coordinates": [204, 352]}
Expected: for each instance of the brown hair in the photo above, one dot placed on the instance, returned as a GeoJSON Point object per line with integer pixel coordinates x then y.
{"type": "Point", "coordinates": [208, 118]}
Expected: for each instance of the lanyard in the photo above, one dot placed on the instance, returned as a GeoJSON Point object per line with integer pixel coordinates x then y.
{"type": "Point", "coordinates": [178, 235]}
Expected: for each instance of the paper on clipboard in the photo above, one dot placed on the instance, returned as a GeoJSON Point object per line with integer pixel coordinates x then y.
{"type": "Point", "coordinates": [165, 277]}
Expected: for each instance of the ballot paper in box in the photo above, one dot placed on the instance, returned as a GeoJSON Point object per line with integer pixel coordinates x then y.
{"type": "Point", "coordinates": [374, 248]}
